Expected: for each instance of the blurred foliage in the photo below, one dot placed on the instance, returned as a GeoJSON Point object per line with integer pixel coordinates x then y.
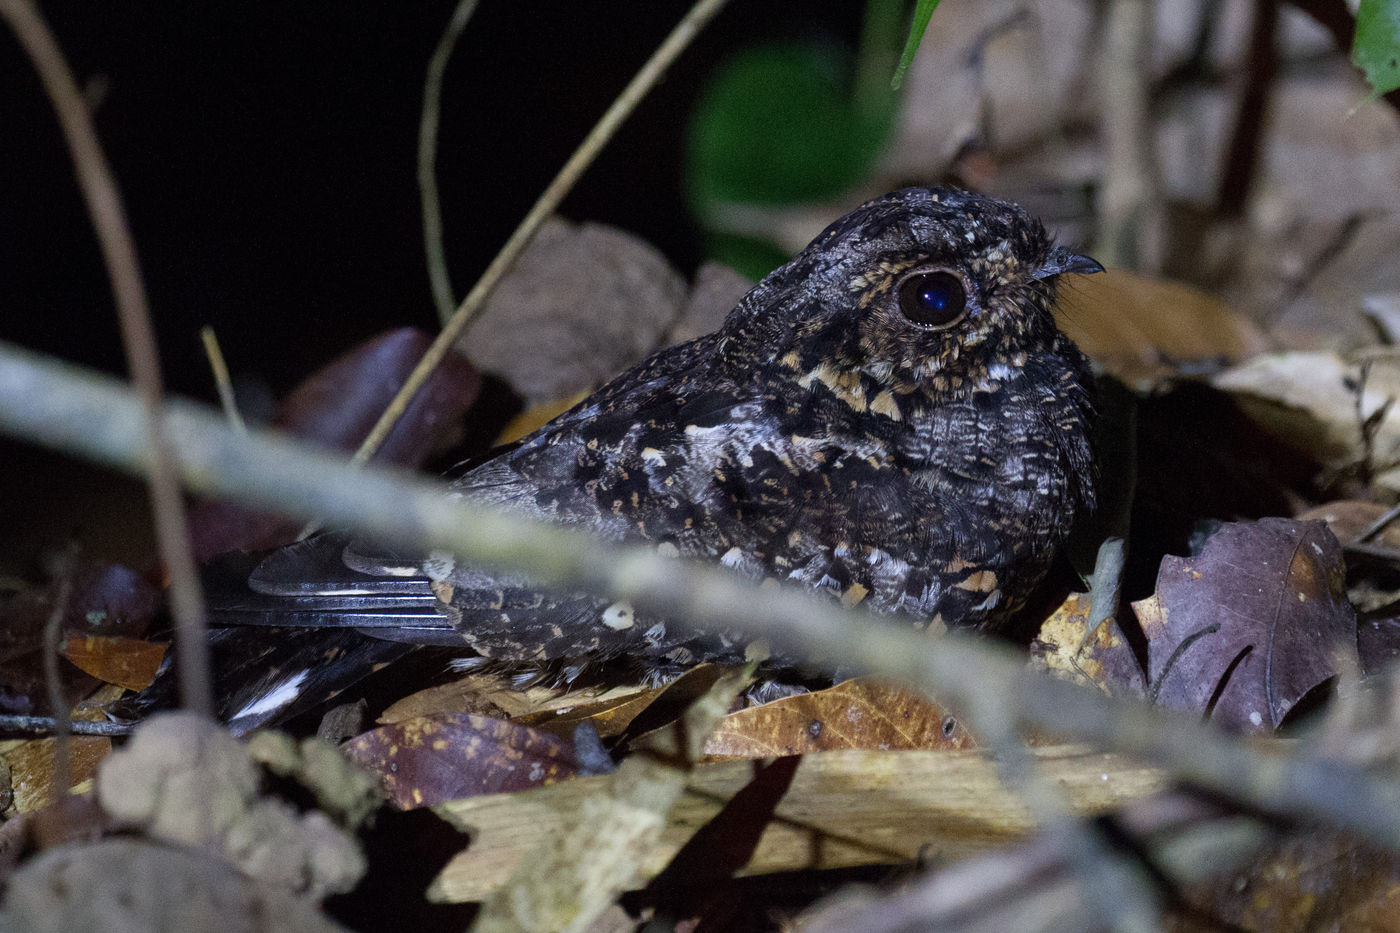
{"type": "Point", "coordinates": [776, 126]}
{"type": "Point", "coordinates": [790, 123]}
{"type": "Point", "coordinates": [1376, 50]}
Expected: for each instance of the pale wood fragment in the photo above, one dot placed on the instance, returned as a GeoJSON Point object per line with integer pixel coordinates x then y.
{"type": "Point", "coordinates": [844, 808]}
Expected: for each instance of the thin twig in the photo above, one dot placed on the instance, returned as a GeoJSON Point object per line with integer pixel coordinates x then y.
{"type": "Point", "coordinates": [686, 30]}
{"type": "Point", "coordinates": [222, 382]}
{"type": "Point", "coordinates": [1379, 525]}
{"type": "Point", "coordinates": [58, 701]}
{"type": "Point", "coordinates": [1378, 551]}
{"type": "Point", "coordinates": [48, 725]}
{"type": "Point", "coordinates": [89, 415]}
{"type": "Point", "coordinates": [104, 204]}
{"type": "Point", "coordinates": [438, 276]}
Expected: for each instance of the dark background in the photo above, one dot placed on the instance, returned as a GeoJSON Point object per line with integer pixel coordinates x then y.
{"type": "Point", "coordinates": [266, 155]}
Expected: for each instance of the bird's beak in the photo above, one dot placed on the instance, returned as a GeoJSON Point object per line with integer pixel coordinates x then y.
{"type": "Point", "coordinates": [1062, 261]}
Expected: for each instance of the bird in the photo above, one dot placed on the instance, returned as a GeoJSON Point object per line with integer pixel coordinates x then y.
{"type": "Point", "coordinates": [892, 419]}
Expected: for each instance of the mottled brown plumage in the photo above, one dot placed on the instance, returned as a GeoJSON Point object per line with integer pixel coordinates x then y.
{"type": "Point", "coordinates": [891, 418]}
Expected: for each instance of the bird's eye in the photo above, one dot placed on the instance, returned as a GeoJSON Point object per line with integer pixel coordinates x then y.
{"type": "Point", "coordinates": [933, 299]}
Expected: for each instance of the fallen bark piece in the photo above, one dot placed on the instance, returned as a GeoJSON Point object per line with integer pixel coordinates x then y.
{"type": "Point", "coordinates": [844, 808]}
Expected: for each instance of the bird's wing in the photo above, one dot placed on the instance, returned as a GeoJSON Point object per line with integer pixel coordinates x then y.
{"type": "Point", "coordinates": [720, 474]}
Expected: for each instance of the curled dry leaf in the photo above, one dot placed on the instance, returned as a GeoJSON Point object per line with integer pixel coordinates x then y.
{"type": "Point", "coordinates": [126, 662]}
{"type": "Point", "coordinates": [855, 714]}
{"type": "Point", "coordinates": [1251, 625]}
{"type": "Point", "coordinates": [1142, 329]}
{"type": "Point", "coordinates": [622, 709]}
{"type": "Point", "coordinates": [494, 695]}
{"type": "Point", "coordinates": [1069, 646]}
{"type": "Point", "coordinates": [473, 693]}
{"type": "Point", "coordinates": [426, 761]}
{"type": "Point", "coordinates": [1319, 402]}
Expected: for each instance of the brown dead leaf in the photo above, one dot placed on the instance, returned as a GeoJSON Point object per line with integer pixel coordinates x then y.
{"type": "Point", "coordinates": [126, 662]}
{"type": "Point", "coordinates": [1373, 594]}
{"type": "Point", "coordinates": [1349, 519]}
{"type": "Point", "coordinates": [609, 717]}
{"type": "Point", "coordinates": [1251, 625]}
{"type": "Point", "coordinates": [426, 761]}
{"type": "Point", "coordinates": [1141, 329]}
{"type": "Point", "coordinates": [1317, 402]}
{"type": "Point", "coordinates": [471, 694]}
{"type": "Point", "coordinates": [1105, 660]}
{"type": "Point", "coordinates": [855, 714]}
{"type": "Point", "coordinates": [30, 762]}
{"type": "Point", "coordinates": [583, 302]}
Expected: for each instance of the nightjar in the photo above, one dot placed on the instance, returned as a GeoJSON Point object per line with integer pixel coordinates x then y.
{"type": "Point", "coordinates": [891, 418]}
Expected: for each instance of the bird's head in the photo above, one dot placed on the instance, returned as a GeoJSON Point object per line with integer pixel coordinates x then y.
{"type": "Point", "coordinates": [915, 298]}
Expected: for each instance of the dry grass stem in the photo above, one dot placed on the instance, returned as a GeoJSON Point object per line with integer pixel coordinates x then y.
{"type": "Point", "coordinates": [104, 204]}
{"type": "Point", "coordinates": [222, 382]}
{"type": "Point", "coordinates": [438, 276]}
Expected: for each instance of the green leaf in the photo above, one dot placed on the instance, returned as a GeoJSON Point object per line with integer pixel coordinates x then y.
{"type": "Point", "coordinates": [1376, 49]}
{"type": "Point", "coordinates": [923, 12]}
{"type": "Point", "coordinates": [776, 125]}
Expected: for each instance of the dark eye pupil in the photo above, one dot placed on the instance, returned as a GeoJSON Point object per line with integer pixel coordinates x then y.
{"type": "Point", "coordinates": [932, 298]}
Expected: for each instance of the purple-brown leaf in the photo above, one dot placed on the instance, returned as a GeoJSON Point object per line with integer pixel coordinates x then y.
{"type": "Point", "coordinates": [1251, 625]}
{"type": "Point", "coordinates": [447, 756]}
{"type": "Point", "coordinates": [337, 406]}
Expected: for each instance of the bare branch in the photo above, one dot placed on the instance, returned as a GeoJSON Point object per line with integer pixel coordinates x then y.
{"type": "Point", "coordinates": [83, 413]}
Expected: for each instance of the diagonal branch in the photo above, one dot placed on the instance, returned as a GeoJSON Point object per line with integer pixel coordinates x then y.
{"type": "Point", "coordinates": [95, 416]}
{"type": "Point", "coordinates": [645, 79]}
